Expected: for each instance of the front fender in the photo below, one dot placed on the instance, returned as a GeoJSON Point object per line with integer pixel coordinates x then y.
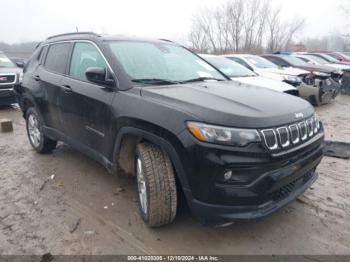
{"type": "Point", "coordinates": [164, 145]}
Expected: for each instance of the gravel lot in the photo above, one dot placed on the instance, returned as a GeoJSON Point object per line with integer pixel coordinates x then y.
{"type": "Point", "coordinates": [84, 210]}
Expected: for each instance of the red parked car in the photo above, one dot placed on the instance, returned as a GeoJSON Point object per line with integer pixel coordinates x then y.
{"type": "Point", "coordinates": [340, 57]}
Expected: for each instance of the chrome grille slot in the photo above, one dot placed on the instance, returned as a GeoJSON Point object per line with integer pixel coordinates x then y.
{"type": "Point", "coordinates": [270, 138]}
{"type": "Point", "coordinates": [294, 133]}
{"type": "Point", "coordinates": [316, 124]}
{"type": "Point", "coordinates": [303, 130]}
{"type": "Point", "coordinates": [283, 136]}
{"type": "Point", "coordinates": [310, 127]}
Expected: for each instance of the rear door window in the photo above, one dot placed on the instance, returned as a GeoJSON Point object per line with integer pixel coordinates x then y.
{"type": "Point", "coordinates": [85, 55]}
{"type": "Point", "coordinates": [56, 58]}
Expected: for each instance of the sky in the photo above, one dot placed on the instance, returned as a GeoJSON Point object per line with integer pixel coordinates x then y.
{"type": "Point", "coordinates": [35, 20]}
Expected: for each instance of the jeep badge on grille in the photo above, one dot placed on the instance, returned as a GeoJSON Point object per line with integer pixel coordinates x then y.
{"type": "Point", "coordinates": [299, 115]}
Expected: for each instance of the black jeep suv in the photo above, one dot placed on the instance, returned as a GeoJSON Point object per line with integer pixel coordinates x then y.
{"type": "Point", "coordinates": [165, 115]}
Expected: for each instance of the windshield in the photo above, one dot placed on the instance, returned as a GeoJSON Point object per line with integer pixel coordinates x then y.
{"type": "Point", "coordinates": [161, 63]}
{"type": "Point", "coordinates": [260, 62]}
{"type": "Point", "coordinates": [229, 67]}
{"type": "Point", "coordinates": [294, 60]}
{"type": "Point", "coordinates": [329, 58]}
{"type": "Point", "coordinates": [318, 59]}
{"type": "Point", "coordinates": [5, 62]}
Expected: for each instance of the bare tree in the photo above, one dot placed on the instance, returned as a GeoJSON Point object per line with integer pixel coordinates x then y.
{"type": "Point", "coordinates": [235, 19]}
{"type": "Point", "coordinates": [197, 38]}
{"type": "Point", "coordinates": [281, 33]}
{"type": "Point", "coordinates": [242, 25]}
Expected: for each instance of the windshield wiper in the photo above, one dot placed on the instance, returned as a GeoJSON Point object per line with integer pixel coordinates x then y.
{"type": "Point", "coordinates": [199, 79]}
{"type": "Point", "coordinates": [155, 81]}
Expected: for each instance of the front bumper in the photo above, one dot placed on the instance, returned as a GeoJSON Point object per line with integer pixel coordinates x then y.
{"type": "Point", "coordinates": [322, 92]}
{"type": "Point", "coordinates": [272, 182]}
{"type": "Point", "coordinates": [7, 96]}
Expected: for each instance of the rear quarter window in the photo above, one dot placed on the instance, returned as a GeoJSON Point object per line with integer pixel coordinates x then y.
{"type": "Point", "coordinates": [57, 57]}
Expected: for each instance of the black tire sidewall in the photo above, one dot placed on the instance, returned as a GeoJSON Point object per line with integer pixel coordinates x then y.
{"type": "Point", "coordinates": [32, 111]}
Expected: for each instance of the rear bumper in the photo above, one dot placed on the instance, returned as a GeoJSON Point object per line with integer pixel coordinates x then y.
{"type": "Point", "coordinates": [7, 97]}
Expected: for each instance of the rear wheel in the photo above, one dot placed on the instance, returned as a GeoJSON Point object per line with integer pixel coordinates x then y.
{"type": "Point", "coordinates": [156, 185]}
{"type": "Point", "coordinates": [38, 140]}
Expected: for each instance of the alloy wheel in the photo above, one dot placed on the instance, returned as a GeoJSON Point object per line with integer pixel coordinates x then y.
{"type": "Point", "coordinates": [141, 184]}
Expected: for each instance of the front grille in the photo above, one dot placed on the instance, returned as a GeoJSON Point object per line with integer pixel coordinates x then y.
{"type": "Point", "coordinates": [284, 191]}
{"type": "Point", "coordinates": [287, 136]}
{"type": "Point", "coordinates": [7, 79]}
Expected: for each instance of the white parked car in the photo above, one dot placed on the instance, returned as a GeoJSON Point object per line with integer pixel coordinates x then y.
{"type": "Point", "coordinates": [265, 68]}
{"type": "Point", "coordinates": [242, 74]}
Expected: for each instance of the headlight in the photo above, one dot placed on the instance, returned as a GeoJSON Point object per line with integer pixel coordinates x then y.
{"type": "Point", "coordinates": [339, 72]}
{"type": "Point", "coordinates": [223, 135]}
{"type": "Point", "coordinates": [291, 78]}
{"type": "Point", "coordinates": [316, 73]}
{"type": "Point", "coordinates": [20, 78]}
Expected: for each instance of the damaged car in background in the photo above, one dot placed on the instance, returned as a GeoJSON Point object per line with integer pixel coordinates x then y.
{"type": "Point", "coordinates": [10, 77]}
{"type": "Point", "coordinates": [243, 75]}
{"type": "Point", "coordinates": [326, 80]}
{"type": "Point", "coordinates": [300, 79]}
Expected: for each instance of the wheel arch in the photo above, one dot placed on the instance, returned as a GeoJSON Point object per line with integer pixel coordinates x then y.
{"type": "Point", "coordinates": [27, 102]}
{"type": "Point", "coordinates": [128, 137]}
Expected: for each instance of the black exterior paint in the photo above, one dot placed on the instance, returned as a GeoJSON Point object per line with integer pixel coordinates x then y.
{"type": "Point", "coordinates": [95, 118]}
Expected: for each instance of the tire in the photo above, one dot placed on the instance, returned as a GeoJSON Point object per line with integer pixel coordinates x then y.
{"type": "Point", "coordinates": [37, 139]}
{"type": "Point", "coordinates": [157, 179]}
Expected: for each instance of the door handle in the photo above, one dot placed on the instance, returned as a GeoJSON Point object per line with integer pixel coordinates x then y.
{"type": "Point", "coordinates": [36, 77]}
{"type": "Point", "coordinates": [67, 88]}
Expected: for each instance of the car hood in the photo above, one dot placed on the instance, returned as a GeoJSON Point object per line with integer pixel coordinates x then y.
{"type": "Point", "coordinates": [338, 66]}
{"type": "Point", "coordinates": [320, 68]}
{"type": "Point", "coordinates": [265, 82]}
{"type": "Point", "coordinates": [230, 104]}
{"type": "Point", "coordinates": [15, 70]}
{"type": "Point", "coordinates": [285, 71]}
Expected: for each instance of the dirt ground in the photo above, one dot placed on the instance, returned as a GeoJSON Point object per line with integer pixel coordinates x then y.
{"type": "Point", "coordinates": [85, 210]}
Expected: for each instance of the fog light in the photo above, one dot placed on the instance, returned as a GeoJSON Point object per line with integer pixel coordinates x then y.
{"type": "Point", "coordinates": [228, 175]}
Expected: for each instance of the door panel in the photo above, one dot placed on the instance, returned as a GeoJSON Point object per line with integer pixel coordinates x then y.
{"type": "Point", "coordinates": [85, 108]}
{"type": "Point", "coordinates": [48, 86]}
{"type": "Point", "coordinates": [48, 78]}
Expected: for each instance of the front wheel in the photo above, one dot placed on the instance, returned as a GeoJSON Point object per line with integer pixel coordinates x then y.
{"type": "Point", "coordinates": [38, 140]}
{"type": "Point", "coordinates": [156, 185]}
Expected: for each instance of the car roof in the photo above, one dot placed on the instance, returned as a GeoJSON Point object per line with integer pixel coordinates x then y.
{"type": "Point", "coordinates": [239, 55]}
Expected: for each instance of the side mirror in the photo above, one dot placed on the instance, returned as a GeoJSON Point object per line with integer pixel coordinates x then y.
{"type": "Point", "coordinates": [98, 75]}
{"type": "Point", "coordinates": [20, 64]}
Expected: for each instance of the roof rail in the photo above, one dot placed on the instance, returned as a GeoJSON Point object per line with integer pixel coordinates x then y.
{"type": "Point", "coordinates": [74, 33]}
{"type": "Point", "coordinates": [167, 40]}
